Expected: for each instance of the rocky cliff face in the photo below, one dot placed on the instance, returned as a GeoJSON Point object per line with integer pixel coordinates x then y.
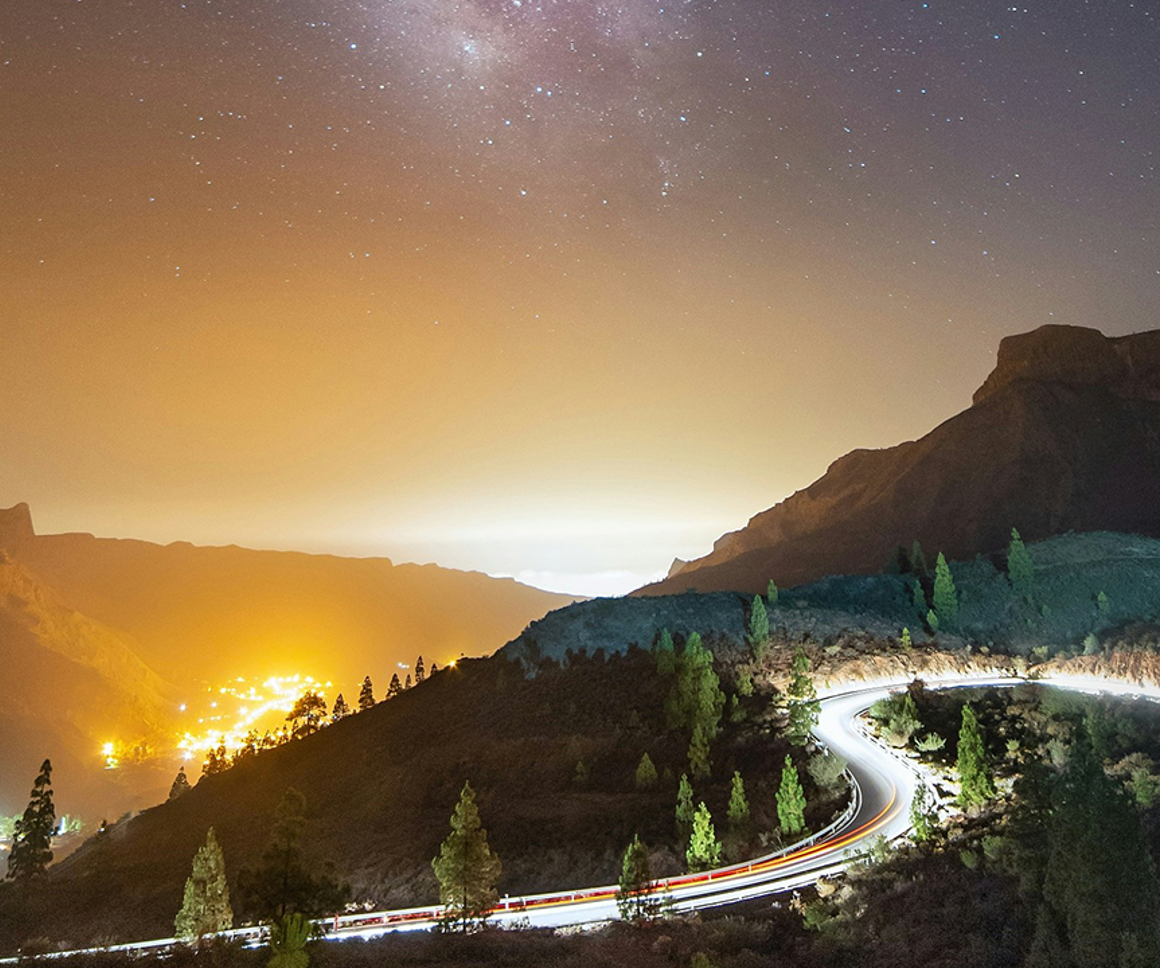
{"type": "Point", "coordinates": [1063, 435]}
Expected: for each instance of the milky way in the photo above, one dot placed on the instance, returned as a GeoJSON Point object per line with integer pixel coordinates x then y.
{"type": "Point", "coordinates": [591, 248]}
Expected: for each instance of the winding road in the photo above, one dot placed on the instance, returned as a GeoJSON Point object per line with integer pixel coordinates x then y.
{"type": "Point", "coordinates": [883, 782]}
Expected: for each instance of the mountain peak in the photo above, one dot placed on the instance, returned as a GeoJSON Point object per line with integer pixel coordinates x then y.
{"type": "Point", "coordinates": [15, 526]}
{"type": "Point", "coordinates": [1128, 366]}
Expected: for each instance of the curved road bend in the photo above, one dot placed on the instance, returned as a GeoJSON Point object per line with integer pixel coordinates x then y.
{"type": "Point", "coordinates": [883, 785]}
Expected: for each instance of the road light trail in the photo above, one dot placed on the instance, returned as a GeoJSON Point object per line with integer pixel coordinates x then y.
{"type": "Point", "coordinates": [883, 784]}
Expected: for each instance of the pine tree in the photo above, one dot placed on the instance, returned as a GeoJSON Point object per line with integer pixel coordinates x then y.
{"type": "Point", "coordinates": [395, 688]}
{"type": "Point", "coordinates": [646, 773]}
{"type": "Point", "coordinates": [905, 640]}
{"type": "Point", "coordinates": [704, 849]}
{"type": "Point", "coordinates": [919, 597]}
{"type": "Point", "coordinates": [923, 814]}
{"type": "Point", "coordinates": [946, 599]}
{"type": "Point", "coordinates": [466, 868]}
{"type": "Point", "coordinates": [1100, 880]}
{"type": "Point", "coordinates": [434, 667]}
{"type": "Point", "coordinates": [31, 850]}
{"type": "Point", "coordinates": [684, 807]}
{"type": "Point", "coordinates": [803, 706]}
{"type": "Point", "coordinates": [975, 784]}
{"type": "Point", "coordinates": [738, 804]}
{"type": "Point", "coordinates": [1020, 570]}
{"type": "Point", "coordinates": [307, 715]}
{"type": "Point", "coordinates": [771, 593]}
{"type": "Point", "coordinates": [700, 764]}
{"type": "Point", "coordinates": [634, 899]}
{"type": "Point", "coordinates": [758, 634]}
{"type": "Point", "coordinates": [918, 559]}
{"type": "Point", "coordinates": [180, 785]}
{"type": "Point", "coordinates": [341, 710]}
{"type": "Point", "coordinates": [1102, 602]}
{"type": "Point", "coordinates": [366, 696]}
{"type": "Point", "coordinates": [206, 906]}
{"type": "Point", "coordinates": [932, 621]}
{"type": "Point", "coordinates": [666, 656]}
{"type": "Point", "coordinates": [286, 881]}
{"type": "Point", "coordinates": [407, 684]}
{"type": "Point", "coordinates": [791, 801]}
{"type": "Point", "coordinates": [420, 671]}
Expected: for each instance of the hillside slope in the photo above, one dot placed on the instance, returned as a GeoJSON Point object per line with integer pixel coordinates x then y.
{"type": "Point", "coordinates": [1064, 435]}
{"type": "Point", "coordinates": [70, 684]}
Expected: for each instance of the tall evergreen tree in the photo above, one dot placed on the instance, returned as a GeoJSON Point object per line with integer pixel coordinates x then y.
{"type": "Point", "coordinates": [180, 785]}
{"type": "Point", "coordinates": [918, 563]}
{"type": "Point", "coordinates": [420, 670]}
{"type": "Point", "coordinates": [366, 696]}
{"type": "Point", "coordinates": [287, 881]}
{"type": "Point", "coordinates": [407, 683]}
{"type": "Point", "coordinates": [466, 868]}
{"type": "Point", "coordinates": [946, 599]}
{"type": "Point", "coordinates": [700, 764]}
{"type": "Point", "coordinates": [1100, 880]}
{"type": "Point", "coordinates": [634, 900]}
{"type": "Point", "coordinates": [771, 592]}
{"type": "Point", "coordinates": [802, 700]}
{"type": "Point", "coordinates": [646, 773]}
{"type": "Point", "coordinates": [1020, 570]}
{"type": "Point", "coordinates": [976, 786]}
{"type": "Point", "coordinates": [919, 597]}
{"type": "Point", "coordinates": [665, 654]}
{"type": "Point", "coordinates": [791, 801]}
{"type": "Point", "coordinates": [395, 688]}
{"type": "Point", "coordinates": [31, 850]}
{"type": "Point", "coordinates": [205, 908]}
{"type": "Point", "coordinates": [738, 803]}
{"type": "Point", "coordinates": [704, 849]}
{"type": "Point", "coordinates": [758, 633]}
{"type": "Point", "coordinates": [341, 710]}
{"type": "Point", "coordinates": [685, 810]}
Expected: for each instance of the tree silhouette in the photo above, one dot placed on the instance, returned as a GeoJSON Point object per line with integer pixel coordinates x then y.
{"type": "Point", "coordinates": [420, 670]}
{"type": "Point", "coordinates": [31, 850]}
{"type": "Point", "coordinates": [366, 696]}
{"type": "Point", "coordinates": [341, 710]}
{"type": "Point", "coordinates": [395, 688]}
{"type": "Point", "coordinates": [307, 715]}
{"type": "Point", "coordinates": [180, 785]}
{"type": "Point", "coordinates": [287, 881]}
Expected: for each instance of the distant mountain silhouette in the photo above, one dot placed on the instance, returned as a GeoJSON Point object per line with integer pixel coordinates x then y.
{"type": "Point", "coordinates": [1063, 435]}
{"type": "Point", "coordinates": [100, 638]}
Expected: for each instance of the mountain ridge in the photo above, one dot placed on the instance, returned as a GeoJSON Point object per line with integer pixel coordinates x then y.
{"type": "Point", "coordinates": [1063, 435]}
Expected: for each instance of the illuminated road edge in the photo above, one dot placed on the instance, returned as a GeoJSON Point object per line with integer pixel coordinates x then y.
{"type": "Point", "coordinates": [882, 781]}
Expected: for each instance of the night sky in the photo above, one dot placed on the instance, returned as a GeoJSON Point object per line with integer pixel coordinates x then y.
{"type": "Point", "coordinates": [555, 289]}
